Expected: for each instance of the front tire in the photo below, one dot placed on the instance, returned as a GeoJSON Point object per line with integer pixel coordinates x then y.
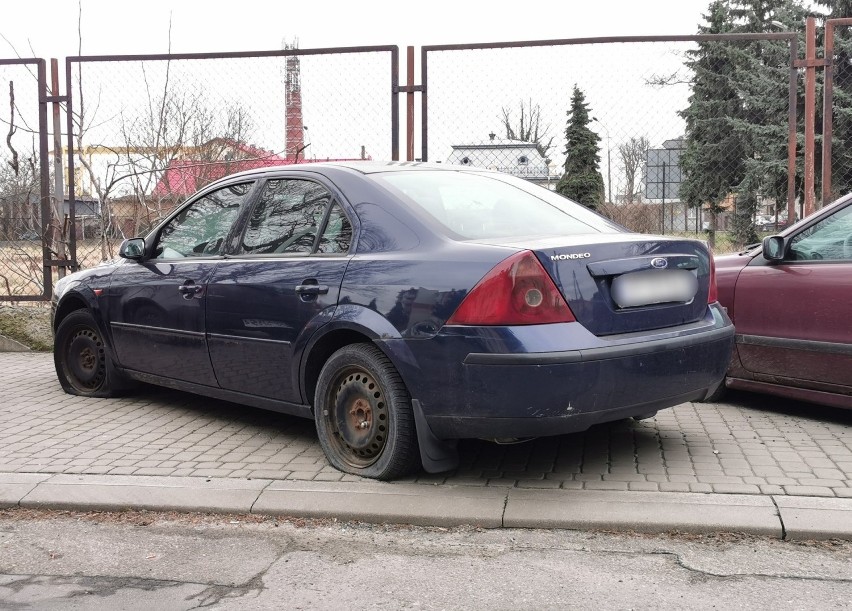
{"type": "Point", "coordinates": [81, 358]}
{"type": "Point", "coordinates": [363, 415]}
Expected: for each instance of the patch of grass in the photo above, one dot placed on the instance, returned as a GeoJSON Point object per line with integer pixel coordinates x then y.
{"type": "Point", "coordinates": [27, 324]}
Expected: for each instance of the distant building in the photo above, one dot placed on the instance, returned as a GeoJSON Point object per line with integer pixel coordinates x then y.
{"type": "Point", "coordinates": [515, 157]}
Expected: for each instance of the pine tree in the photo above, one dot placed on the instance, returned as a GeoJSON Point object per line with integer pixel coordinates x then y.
{"type": "Point", "coordinates": [582, 180]}
{"type": "Point", "coordinates": [761, 67]}
{"type": "Point", "coordinates": [713, 163]}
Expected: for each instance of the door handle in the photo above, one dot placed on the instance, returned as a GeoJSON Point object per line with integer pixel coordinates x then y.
{"type": "Point", "coordinates": [311, 289]}
{"type": "Point", "coordinates": [190, 289]}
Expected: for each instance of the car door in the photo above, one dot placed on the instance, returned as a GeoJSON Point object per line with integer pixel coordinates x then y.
{"type": "Point", "coordinates": [157, 306]}
{"type": "Point", "coordinates": [792, 317]}
{"type": "Point", "coordinates": [285, 272]}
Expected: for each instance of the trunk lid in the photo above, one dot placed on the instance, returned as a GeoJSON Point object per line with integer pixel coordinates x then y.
{"type": "Point", "coordinates": [624, 283]}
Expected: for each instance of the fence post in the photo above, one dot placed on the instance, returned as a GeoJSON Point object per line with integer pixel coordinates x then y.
{"type": "Point", "coordinates": [409, 125]}
{"type": "Point", "coordinates": [810, 113]}
{"type": "Point", "coordinates": [58, 188]}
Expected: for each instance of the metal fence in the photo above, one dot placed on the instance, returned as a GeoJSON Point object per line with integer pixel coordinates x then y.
{"type": "Point", "coordinates": [147, 131]}
{"type": "Point", "coordinates": [836, 158]}
{"type": "Point", "coordinates": [482, 100]}
{"type": "Point", "coordinates": [23, 181]}
{"type": "Point", "coordinates": [144, 132]}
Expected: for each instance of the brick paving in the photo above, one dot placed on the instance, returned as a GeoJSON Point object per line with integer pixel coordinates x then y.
{"type": "Point", "coordinates": [751, 445]}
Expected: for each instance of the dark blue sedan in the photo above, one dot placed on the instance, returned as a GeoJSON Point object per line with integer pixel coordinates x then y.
{"type": "Point", "coordinates": [402, 307]}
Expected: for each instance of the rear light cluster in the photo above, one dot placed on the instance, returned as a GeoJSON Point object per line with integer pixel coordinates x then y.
{"type": "Point", "coordinates": [713, 293]}
{"type": "Point", "coordinates": [517, 291]}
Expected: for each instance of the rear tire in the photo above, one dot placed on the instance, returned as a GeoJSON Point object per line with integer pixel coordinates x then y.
{"type": "Point", "coordinates": [82, 359]}
{"type": "Point", "coordinates": [363, 415]}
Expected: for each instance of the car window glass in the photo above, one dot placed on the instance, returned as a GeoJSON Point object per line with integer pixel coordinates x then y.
{"type": "Point", "coordinates": [829, 240]}
{"type": "Point", "coordinates": [337, 235]}
{"type": "Point", "coordinates": [286, 218]}
{"type": "Point", "coordinates": [200, 229]}
{"type": "Point", "coordinates": [476, 206]}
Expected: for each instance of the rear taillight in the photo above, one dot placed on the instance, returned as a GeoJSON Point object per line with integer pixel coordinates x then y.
{"type": "Point", "coordinates": [713, 293]}
{"type": "Point", "coordinates": [517, 291]}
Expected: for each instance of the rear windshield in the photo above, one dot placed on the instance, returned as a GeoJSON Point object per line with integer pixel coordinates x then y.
{"type": "Point", "coordinates": [476, 206]}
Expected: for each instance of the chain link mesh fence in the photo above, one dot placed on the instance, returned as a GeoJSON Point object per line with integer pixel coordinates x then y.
{"type": "Point", "coordinates": [21, 225]}
{"type": "Point", "coordinates": [688, 135]}
{"type": "Point", "coordinates": [530, 109]}
{"type": "Point", "coordinates": [149, 132]}
{"type": "Point", "coordinates": [840, 162]}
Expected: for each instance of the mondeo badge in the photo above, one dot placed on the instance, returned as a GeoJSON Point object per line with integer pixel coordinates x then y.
{"type": "Point", "coordinates": [573, 255]}
{"type": "Point", "coordinates": [659, 262]}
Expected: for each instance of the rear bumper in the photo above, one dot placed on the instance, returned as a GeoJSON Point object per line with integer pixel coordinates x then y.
{"type": "Point", "coordinates": [541, 393]}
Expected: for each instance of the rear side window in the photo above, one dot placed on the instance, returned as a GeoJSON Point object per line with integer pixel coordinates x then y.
{"type": "Point", "coordinates": [337, 235]}
{"type": "Point", "coordinates": [287, 218]}
{"type": "Point", "coordinates": [477, 206]}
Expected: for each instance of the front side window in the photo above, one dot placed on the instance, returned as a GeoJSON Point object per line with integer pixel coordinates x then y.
{"type": "Point", "coordinates": [829, 240]}
{"type": "Point", "coordinates": [200, 229]}
{"type": "Point", "coordinates": [286, 218]}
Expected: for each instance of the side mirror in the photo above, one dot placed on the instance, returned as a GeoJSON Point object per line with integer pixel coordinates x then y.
{"type": "Point", "coordinates": [133, 249]}
{"type": "Point", "coordinates": [773, 248]}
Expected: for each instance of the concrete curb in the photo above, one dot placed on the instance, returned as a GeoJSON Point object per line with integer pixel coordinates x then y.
{"type": "Point", "coordinates": [782, 517]}
{"type": "Point", "coordinates": [10, 345]}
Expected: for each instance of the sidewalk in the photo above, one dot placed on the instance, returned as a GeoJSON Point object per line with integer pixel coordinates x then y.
{"type": "Point", "coordinates": [699, 468]}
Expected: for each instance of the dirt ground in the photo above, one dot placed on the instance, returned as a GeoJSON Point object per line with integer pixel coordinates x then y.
{"type": "Point", "coordinates": [28, 324]}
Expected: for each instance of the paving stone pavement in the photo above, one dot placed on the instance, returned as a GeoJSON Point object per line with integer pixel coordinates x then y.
{"type": "Point", "coordinates": [751, 445]}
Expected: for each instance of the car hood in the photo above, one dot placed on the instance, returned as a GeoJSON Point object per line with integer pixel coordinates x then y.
{"type": "Point", "coordinates": [735, 261]}
{"type": "Point", "coordinates": [80, 277]}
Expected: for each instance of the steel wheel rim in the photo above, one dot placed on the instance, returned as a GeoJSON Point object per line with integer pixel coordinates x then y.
{"type": "Point", "coordinates": [85, 359]}
{"type": "Point", "coordinates": [357, 417]}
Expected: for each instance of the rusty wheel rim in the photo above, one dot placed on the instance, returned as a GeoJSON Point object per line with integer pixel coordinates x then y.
{"type": "Point", "coordinates": [358, 417]}
{"type": "Point", "coordinates": [85, 360]}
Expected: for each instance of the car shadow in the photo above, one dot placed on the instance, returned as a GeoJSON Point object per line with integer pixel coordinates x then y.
{"type": "Point", "coordinates": [789, 407]}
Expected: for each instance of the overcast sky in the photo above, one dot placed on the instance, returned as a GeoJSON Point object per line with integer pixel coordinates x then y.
{"type": "Point", "coordinates": [48, 28]}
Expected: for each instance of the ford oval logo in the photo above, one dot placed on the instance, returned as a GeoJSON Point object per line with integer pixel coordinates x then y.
{"type": "Point", "coordinates": [659, 263]}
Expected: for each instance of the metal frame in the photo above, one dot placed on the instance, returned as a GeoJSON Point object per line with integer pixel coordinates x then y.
{"type": "Point", "coordinates": [44, 178]}
{"type": "Point", "coordinates": [81, 59]}
{"type": "Point", "coordinates": [828, 101]}
{"type": "Point", "coordinates": [791, 37]}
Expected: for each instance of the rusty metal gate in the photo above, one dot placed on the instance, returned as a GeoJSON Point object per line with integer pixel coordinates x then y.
{"type": "Point", "coordinates": [146, 131]}
{"type": "Point", "coordinates": [26, 228]}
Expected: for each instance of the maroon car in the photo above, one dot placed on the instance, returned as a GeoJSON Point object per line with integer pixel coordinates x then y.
{"type": "Point", "coordinates": [791, 301]}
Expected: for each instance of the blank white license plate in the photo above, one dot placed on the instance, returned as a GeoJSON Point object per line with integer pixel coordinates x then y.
{"type": "Point", "coordinates": [654, 286]}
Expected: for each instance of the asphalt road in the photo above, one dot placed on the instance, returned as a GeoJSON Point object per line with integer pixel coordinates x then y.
{"type": "Point", "coordinates": [62, 561]}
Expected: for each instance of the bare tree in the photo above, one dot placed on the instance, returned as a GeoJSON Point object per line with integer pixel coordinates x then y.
{"type": "Point", "coordinates": [174, 127]}
{"type": "Point", "coordinates": [527, 127]}
{"type": "Point", "coordinates": [633, 154]}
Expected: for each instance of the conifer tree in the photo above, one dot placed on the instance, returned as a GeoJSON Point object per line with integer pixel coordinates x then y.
{"type": "Point", "coordinates": [713, 163]}
{"type": "Point", "coordinates": [582, 180]}
{"type": "Point", "coordinates": [761, 67]}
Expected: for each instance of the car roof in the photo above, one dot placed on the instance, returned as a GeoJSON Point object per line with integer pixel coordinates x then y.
{"type": "Point", "coordinates": [362, 167]}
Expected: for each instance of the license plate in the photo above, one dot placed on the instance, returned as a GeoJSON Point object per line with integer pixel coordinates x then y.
{"type": "Point", "coordinates": [654, 286]}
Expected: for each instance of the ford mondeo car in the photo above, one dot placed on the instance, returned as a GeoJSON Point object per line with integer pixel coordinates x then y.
{"type": "Point", "coordinates": [402, 307]}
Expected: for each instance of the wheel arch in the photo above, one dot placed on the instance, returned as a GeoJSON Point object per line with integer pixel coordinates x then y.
{"type": "Point", "coordinates": [350, 324]}
{"type": "Point", "coordinates": [319, 352]}
{"type": "Point", "coordinates": [70, 303]}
